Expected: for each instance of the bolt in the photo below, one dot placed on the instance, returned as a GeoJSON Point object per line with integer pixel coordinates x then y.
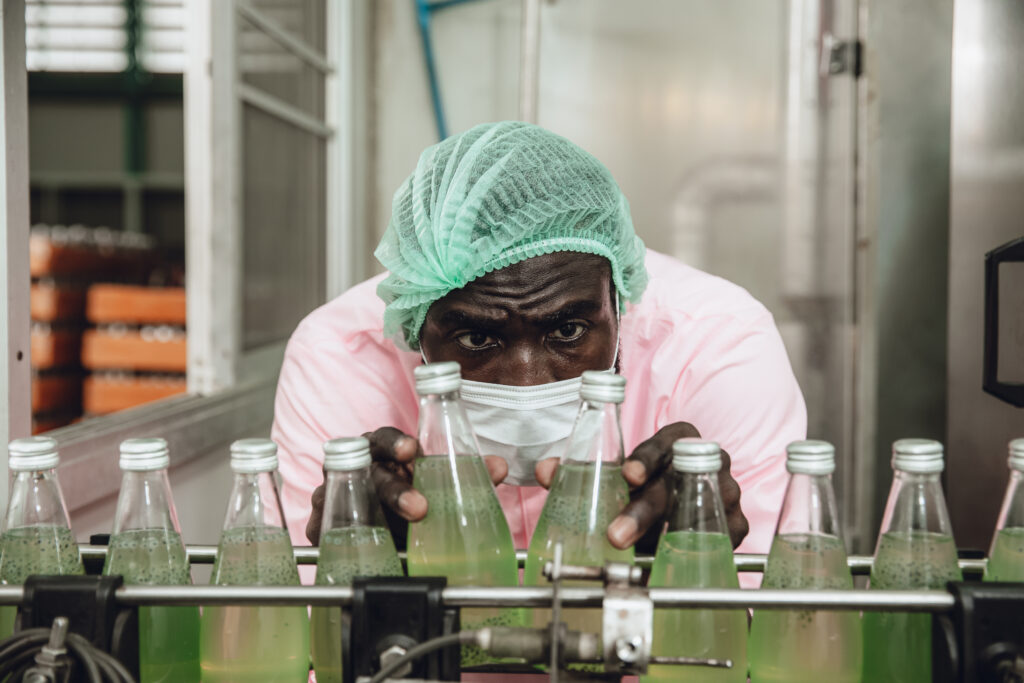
{"type": "Point", "coordinates": [628, 649]}
{"type": "Point", "coordinates": [391, 654]}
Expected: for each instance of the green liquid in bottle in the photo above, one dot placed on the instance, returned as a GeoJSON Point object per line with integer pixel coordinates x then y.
{"type": "Point", "coordinates": [168, 636]}
{"type": "Point", "coordinates": [569, 519]}
{"type": "Point", "coordinates": [898, 647]}
{"type": "Point", "coordinates": [464, 537]}
{"type": "Point", "coordinates": [1007, 561]}
{"type": "Point", "coordinates": [693, 559]}
{"type": "Point", "coordinates": [806, 646]}
{"type": "Point", "coordinates": [255, 644]}
{"type": "Point", "coordinates": [24, 551]}
{"type": "Point", "coordinates": [344, 554]}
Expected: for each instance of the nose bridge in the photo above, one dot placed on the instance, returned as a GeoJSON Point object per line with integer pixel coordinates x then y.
{"type": "Point", "coordinates": [528, 364]}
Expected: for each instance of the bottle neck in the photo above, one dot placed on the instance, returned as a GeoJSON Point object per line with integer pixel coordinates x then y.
{"type": "Point", "coordinates": [809, 506]}
{"type": "Point", "coordinates": [698, 504]}
{"type": "Point", "coordinates": [36, 500]}
{"type": "Point", "coordinates": [596, 435]}
{"type": "Point", "coordinates": [1011, 514]}
{"type": "Point", "coordinates": [350, 500]}
{"type": "Point", "coordinates": [145, 502]}
{"type": "Point", "coordinates": [916, 504]}
{"type": "Point", "coordinates": [254, 502]}
{"type": "Point", "coordinates": [444, 427]}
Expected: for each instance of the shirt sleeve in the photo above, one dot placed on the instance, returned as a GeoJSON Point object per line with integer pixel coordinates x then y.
{"type": "Point", "coordinates": [743, 394]}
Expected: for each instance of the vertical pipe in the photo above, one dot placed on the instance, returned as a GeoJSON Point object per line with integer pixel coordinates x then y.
{"type": "Point", "coordinates": [529, 61]}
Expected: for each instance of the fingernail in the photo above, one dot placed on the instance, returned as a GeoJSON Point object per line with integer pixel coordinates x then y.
{"type": "Point", "coordinates": [405, 503]}
{"type": "Point", "coordinates": [635, 471]}
{"type": "Point", "coordinates": [622, 530]}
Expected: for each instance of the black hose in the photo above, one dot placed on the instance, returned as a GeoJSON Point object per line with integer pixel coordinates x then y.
{"type": "Point", "coordinates": [17, 654]}
{"type": "Point", "coordinates": [424, 648]}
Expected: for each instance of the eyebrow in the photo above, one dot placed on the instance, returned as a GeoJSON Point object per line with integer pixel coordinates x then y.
{"type": "Point", "coordinates": [462, 318]}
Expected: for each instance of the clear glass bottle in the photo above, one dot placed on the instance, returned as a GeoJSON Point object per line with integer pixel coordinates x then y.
{"type": "Point", "coordinates": [1006, 557]}
{"type": "Point", "coordinates": [36, 535]}
{"type": "Point", "coordinates": [807, 553]}
{"type": "Point", "coordinates": [246, 643]}
{"type": "Point", "coordinates": [464, 536]}
{"type": "Point", "coordinates": [354, 541]}
{"type": "Point", "coordinates": [146, 548]}
{"type": "Point", "coordinates": [587, 493]}
{"type": "Point", "coordinates": [696, 552]}
{"type": "Point", "coordinates": [915, 550]}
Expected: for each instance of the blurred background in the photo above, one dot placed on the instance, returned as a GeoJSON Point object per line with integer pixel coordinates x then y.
{"type": "Point", "coordinates": [203, 174]}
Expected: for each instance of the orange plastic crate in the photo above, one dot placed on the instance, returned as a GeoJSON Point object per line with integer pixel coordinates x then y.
{"type": "Point", "coordinates": [138, 305]}
{"type": "Point", "coordinates": [55, 392]}
{"type": "Point", "coordinates": [49, 302]}
{"type": "Point", "coordinates": [102, 350]}
{"type": "Point", "coordinates": [55, 348]}
{"type": "Point", "coordinates": [102, 394]}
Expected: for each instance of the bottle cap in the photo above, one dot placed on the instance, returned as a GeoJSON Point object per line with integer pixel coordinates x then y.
{"type": "Point", "coordinates": [346, 454]}
{"type": "Point", "coordinates": [438, 378]}
{"type": "Point", "coordinates": [811, 457]}
{"type": "Point", "coordinates": [603, 387]}
{"type": "Point", "coordinates": [252, 456]}
{"type": "Point", "coordinates": [696, 456]}
{"type": "Point", "coordinates": [1017, 454]}
{"type": "Point", "coordinates": [141, 455]}
{"type": "Point", "coordinates": [32, 454]}
{"type": "Point", "coordinates": [918, 456]}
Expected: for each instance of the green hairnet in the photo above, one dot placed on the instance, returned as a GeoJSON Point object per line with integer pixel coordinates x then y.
{"type": "Point", "coordinates": [495, 195]}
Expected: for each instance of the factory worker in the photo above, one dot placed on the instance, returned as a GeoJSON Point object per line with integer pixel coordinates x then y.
{"type": "Point", "coordinates": [512, 251]}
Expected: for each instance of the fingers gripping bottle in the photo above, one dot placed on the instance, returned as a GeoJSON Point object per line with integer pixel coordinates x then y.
{"type": "Point", "coordinates": [915, 550]}
{"type": "Point", "coordinates": [146, 548]}
{"type": "Point", "coordinates": [36, 534]}
{"type": "Point", "coordinates": [587, 493]}
{"type": "Point", "coordinates": [807, 553]}
{"type": "Point", "coordinates": [1006, 558]}
{"type": "Point", "coordinates": [464, 536]}
{"type": "Point", "coordinates": [239, 644]}
{"type": "Point", "coordinates": [695, 552]}
{"type": "Point", "coordinates": [354, 541]}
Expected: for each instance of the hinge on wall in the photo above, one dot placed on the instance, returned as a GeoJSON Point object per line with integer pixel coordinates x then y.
{"type": "Point", "coordinates": [840, 56]}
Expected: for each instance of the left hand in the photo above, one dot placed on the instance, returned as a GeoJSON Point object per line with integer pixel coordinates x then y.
{"type": "Point", "coordinates": [648, 471]}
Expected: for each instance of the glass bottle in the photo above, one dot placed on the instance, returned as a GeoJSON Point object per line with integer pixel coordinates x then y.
{"type": "Point", "coordinates": [354, 541]}
{"type": "Point", "coordinates": [36, 534]}
{"type": "Point", "coordinates": [915, 550]}
{"type": "Point", "coordinates": [146, 548]}
{"type": "Point", "coordinates": [464, 536]}
{"type": "Point", "coordinates": [807, 553]}
{"type": "Point", "coordinates": [587, 493]}
{"type": "Point", "coordinates": [254, 643]}
{"type": "Point", "coordinates": [696, 552]}
{"type": "Point", "coordinates": [1006, 558]}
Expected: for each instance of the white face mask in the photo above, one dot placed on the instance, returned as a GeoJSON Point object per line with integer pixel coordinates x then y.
{"type": "Point", "coordinates": [525, 425]}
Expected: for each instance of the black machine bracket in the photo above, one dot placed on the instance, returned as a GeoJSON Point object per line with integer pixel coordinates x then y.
{"type": "Point", "coordinates": [393, 614]}
{"type": "Point", "coordinates": [982, 639]}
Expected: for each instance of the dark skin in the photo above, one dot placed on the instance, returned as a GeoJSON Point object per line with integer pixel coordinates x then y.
{"type": "Point", "coordinates": [542, 320]}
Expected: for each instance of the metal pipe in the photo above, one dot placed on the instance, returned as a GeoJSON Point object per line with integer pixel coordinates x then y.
{"type": "Point", "coordinates": [470, 596]}
{"type": "Point", "coordinates": [529, 61]}
{"type": "Point", "coordinates": [859, 564]}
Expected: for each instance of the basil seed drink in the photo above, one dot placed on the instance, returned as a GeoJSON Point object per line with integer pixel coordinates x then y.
{"type": "Point", "coordinates": [34, 550]}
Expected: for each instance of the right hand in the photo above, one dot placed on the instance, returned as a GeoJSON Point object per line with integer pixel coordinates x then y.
{"type": "Point", "coordinates": [393, 454]}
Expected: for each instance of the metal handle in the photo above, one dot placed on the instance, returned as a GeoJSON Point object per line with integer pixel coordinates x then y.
{"type": "Point", "coordinates": [1010, 392]}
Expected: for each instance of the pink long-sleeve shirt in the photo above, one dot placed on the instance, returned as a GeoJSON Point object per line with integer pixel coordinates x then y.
{"type": "Point", "coordinates": [696, 349]}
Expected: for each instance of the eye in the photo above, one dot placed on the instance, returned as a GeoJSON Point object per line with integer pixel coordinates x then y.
{"type": "Point", "coordinates": [476, 341]}
{"type": "Point", "coordinates": [569, 332]}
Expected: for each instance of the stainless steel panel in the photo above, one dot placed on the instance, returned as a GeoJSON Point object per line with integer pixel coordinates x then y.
{"type": "Point", "coordinates": [987, 210]}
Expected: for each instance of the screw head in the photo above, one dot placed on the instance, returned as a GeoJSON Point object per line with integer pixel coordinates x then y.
{"type": "Point", "coordinates": [628, 649]}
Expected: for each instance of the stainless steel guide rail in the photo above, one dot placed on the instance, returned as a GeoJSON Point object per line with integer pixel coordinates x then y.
{"type": "Point", "coordinates": [934, 601]}
{"type": "Point", "coordinates": [860, 565]}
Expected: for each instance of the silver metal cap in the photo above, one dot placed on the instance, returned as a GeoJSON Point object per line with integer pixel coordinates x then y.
{"type": "Point", "coordinates": [1017, 454]}
{"type": "Point", "coordinates": [918, 456]}
{"type": "Point", "coordinates": [438, 378]}
{"type": "Point", "coordinates": [251, 456]}
{"type": "Point", "coordinates": [600, 386]}
{"type": "Point", "coordinates": [811, 457]}
{"type": "Point", "coordinates": [142, 455]}
{"type": "Point", "coordinates": [32, 454]}
{"type": "Point", "coordinates": [696, 456]}
{"type": "Point", "coordinates": [346, 453]}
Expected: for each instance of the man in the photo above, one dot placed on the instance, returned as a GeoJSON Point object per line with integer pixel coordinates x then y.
{"type": "Point", "coordinates": [512, 251]}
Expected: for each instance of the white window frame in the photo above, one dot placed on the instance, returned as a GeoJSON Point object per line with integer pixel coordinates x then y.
{"type": "Point", "coordinates": [230, 390]}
